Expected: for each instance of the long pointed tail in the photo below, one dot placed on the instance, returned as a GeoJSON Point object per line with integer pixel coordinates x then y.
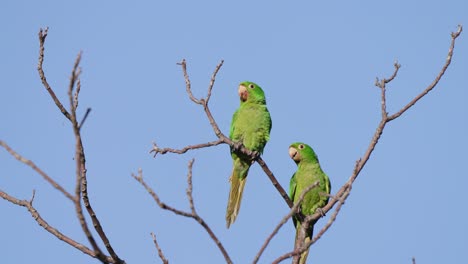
{"type": "Point", "coordinates": [308, 237]}
{"type": "Point", "coordinates": [305, 254]}
{"type": "Point", "coordinates": [235, 197]}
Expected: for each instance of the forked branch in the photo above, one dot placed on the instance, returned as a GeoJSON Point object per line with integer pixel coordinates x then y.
{"type": "Point", "coordinates": [81, 191]}
{"type": "Point", "coordinates": [344, 191]}
{"type": "Point", "coordinates": [36, 216]}
{"type": "Point", "coordinates": [192, 214]}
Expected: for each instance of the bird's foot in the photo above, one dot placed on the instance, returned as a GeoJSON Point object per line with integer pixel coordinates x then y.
{"type": "Point", "coordinates": [320, 210]}
{"type": "Point", "coordinates": [255, 154]}
{"type": "Point", "coordinates": [236, 146]}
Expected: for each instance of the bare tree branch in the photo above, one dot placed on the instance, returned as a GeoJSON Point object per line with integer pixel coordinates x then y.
{"type": "Point", "coordinates": [188, 86]}
{"type": "Point", "coordinates": [37, 169]}
{"type": "Point", "coordinates": [436, 80]}
{"type": "Point", "coordinates": [88, 110]}
{"type": "Point", "coordinates": [160, 252]}
{"type": "Point", "coordinates": [275, 182]}
{"type": "Point", "coordinates": [42, 38]}
{"type": "Point", "coordinates": [163, 151]}
{"type": "Point", "coordinates": [35, 214]}
{"type": "Point", "coordinates": [81, 190]}
{"type": "Point", "coordinates": [81, 171]}
{"type": "Point", "coordinates": [344, 191]}
{"type": "Point", "coordinates": [212, 81]}
{"type": "Point", "coordinates": [81, 186]}
{"type": "Point", "coordinates": [192, 214]}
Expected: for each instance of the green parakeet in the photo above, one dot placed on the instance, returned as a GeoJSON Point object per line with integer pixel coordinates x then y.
{"type": "Point", "coordinates": [308, 172]}
{"type": "Point", "coordinates": [251, 126]}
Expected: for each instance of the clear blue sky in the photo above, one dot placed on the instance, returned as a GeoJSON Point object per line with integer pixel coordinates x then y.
{"type": "Point", "coordinates": [317, 62]}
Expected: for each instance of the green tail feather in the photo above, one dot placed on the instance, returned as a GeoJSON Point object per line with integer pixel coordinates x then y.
{"type": "Point", "coordinates": [305, 254]}
{"type": "Point", "coordinates": [235, 197]}
{"type": "Point", "coordinates": [303, 257]}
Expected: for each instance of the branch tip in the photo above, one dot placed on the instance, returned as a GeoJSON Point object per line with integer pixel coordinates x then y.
{"type": "Point", "coordinates": [458, 32]}
{"type": "Point", "coordinates": [43, 34]}
{"type": "Point", "coordinates": [160, 252]}
{"type": "Point", "coordinates": [32, 197]}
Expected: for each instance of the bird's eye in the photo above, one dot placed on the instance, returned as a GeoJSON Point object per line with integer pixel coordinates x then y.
{"type": "Point", "coordinates": [301, 146]}
{"type": "Point", "coordinates": [251, 86]}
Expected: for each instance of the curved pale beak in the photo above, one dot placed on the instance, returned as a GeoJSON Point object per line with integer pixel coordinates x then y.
{"type": "Point", "coordinates": [294, 154]}
{"type": "Point", "coordinates": [243, 94]}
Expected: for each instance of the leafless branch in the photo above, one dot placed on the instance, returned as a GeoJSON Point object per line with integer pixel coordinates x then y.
{"type": "Point", "coordinates": [81, 172]}
{"type": "Point", "coordinates": [37, 169]}
{"type": "Point", "coordinates": [160, 252]}
{"type": "Point", "coordinates": [42, 38]}
{"type": "Point", "coordinates": [344, 191]}
{"type": "Point", "coordinates": [190, 187]}
{"type": "Point", "coordinates": [188, 86]}
{"type": "Point", "coordinates": [436, 80]}
{"type": "Point", "coordinates": [81, 183]}
{"type": "Point", "coordinates": [35, 214]}
{"type": "Point", "coordinates": [274, 181]}
{"type": "Point", "coordinates": [88, 110]}
{"type": "Point", "coordinates": [163, 151]}
{"type": "Point", "coordinates": [212, 81]}
{"type": "Point", "coordinates": [81, 191]}
{"type": "Point", "coordinates": [192, 214]}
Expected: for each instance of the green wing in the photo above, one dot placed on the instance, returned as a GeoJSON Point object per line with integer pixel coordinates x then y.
{"type": "Point", "coordinates": [233, 124]}
{"type": "Point", "coordinates": [292, 192]}
{"type": "Point", "coordinates": [292, 187]}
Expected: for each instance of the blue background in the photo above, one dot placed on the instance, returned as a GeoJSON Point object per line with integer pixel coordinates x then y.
{"type": "Point", "coordinates": [317, 62]}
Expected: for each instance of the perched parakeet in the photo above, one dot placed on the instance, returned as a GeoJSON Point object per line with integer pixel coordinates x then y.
{"type": "Point", "coordinates": [308, 172]}
{"type": "Point", "coordinates": [251, 126]}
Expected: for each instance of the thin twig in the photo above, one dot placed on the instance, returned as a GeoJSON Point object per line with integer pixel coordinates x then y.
{"type": "Point", "coordinates": [81, 182]}
{"type": "Point", "coordinates": [193, 214]}
{"type": "Point", "coordinates": [160, 252]}
{"type": "Point", "coordinates": [81, 175]}
{"type": "Point", "coordinates": [212, 81]}
{"type": "Point", "coordinates": [42, 38]}
{"type": "Point", "coordinates": [190, 187]}
{"type": "Point", "coordinates": [81, 185]}
{"type": "Point", "coordinates": [37, 169]}
{"type": "Point", "coordinates": [187, 82]}
{"type": "Point", "coordinates": [162, 205]}
{"type": "Point", "coordinates": [436, 80]}
{"type": "Point", "coordinates": [275, 182]}
{"type": "Point", "coordinates": [361, 162]}
{"type": "Point", "coordinates": [158, 150]}
{"type": "Point", "coordinates": [88, 110]}
{"type": "Point", "coordinates": [35, 214]}
{"type": "Point", "coordinates": [75, 80]}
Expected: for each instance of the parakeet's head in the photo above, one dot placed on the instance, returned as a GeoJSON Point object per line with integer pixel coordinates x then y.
{"type": "Point", "coordinates": [251, 92]}
{"type": "Point", "coordinates": [299, 151]}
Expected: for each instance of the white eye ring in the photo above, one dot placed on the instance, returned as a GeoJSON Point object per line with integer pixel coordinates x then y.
{"type": "Point", "coordinates": [301, 146]}
{"type": "Point", "coordinates": [251, 86]}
